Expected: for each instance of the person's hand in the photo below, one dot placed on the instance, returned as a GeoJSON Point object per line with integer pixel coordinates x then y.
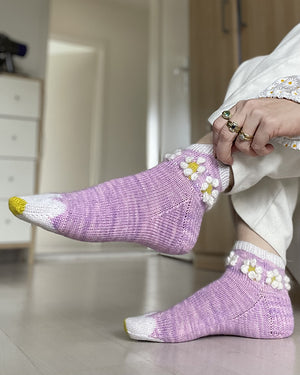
{"type": "Point", "coordinates": [261, 119]}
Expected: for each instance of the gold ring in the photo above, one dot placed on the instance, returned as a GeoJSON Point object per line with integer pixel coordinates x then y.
{"type": "Point", "coordinates": [245, 137]}
{"type": "Point", "coordinates": [226, 115]}
{"type": "Point", "coordinates": [233, 126]}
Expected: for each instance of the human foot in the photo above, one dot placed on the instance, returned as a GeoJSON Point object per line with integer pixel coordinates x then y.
{"type": "Point", "coordinates": [250, 300]}
{"type": "Point", "coordinates": [161, 208]}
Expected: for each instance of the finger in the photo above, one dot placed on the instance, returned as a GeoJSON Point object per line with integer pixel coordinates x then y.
{"type": "Point", "coordinates": [227, 139]}
{"type": "Point", "coordinates": [218, 125]}
{"type": "Point", "coordinates": [244, 140]}
{"type": "Point", "coordinates": [260, 143]}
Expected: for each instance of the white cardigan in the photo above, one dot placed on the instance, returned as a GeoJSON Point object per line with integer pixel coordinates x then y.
{"type": "Point", "coordinates": [273, 75]}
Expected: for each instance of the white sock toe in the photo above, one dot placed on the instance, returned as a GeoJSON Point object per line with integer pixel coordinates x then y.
{"type": "Point", "coordinates": [40, 209]}
{"type": "Point", "coordinates": [141, 327]}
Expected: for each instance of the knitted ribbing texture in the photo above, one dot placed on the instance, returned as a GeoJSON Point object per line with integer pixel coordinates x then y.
{"type": "Point", "coordinates": [160, 208]}
{"type": "Point", "coordinates": [250, 300]}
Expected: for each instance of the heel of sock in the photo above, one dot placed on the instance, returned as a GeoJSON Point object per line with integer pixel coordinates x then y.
{"type": "Point", "coordinates": [279, 315]}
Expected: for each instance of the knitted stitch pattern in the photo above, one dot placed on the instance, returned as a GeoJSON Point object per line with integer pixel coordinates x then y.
{"type": "Point", "coordinates": [160, 208]}
{"type": "Point", "coordinates": [250, 300]}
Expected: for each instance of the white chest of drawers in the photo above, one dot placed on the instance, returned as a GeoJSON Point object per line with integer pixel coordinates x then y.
{"type": "Point", "coordinates": [20, 124]}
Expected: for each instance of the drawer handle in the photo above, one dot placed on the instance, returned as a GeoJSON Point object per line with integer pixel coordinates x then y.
{"type": "Point", "coordinates": [17, 97]}
{"type": "Point", "coordinates": [14, 137]}
{"type": "Point", "coordinates": [11, 179]}
{"type": "Point", "coordinates": [7, 221]}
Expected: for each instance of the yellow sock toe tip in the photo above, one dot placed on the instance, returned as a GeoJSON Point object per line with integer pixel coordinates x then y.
{"type": "Point", "coordinates": [125, 327]}
{"type": "Point", "coordinates": [17, 205]}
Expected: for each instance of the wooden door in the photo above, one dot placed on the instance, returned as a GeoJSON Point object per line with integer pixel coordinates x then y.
{"type": "Point", "coordinates": [213, 58]}
{"type": "Point", "coordinates": [264, 23]}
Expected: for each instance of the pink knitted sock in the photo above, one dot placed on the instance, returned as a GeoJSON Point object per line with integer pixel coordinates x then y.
{"type": "Point", "coordinates": [249, 300]}
{"type": "Point", "coordinates": [161, 208]}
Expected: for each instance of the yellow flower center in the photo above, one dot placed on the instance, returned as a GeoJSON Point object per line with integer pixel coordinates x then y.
{"type": "Point", "coordinates": [251, 268]}
{"type": "Point", "coordinates": [193, 166]}
{"type": "Point", "coordinates": [208, 190]}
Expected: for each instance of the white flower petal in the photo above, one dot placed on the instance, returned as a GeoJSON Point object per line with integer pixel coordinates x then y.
{"type": "Point", "coordinates": [201, 169]}
{"type": "Point", "coordinates": [188, 171]}
{"type": "Point", "coordinates": [215, 182]}
{"type": "Point", "coordinates": [268, 280]}
{"type": "Point", "coordinates": [201, 160]}
{"type": "Point", "coordinates": [183, 165]}
{"type": "Point", "coordinates": [252, 275]}
{"type": "Point", "coordinates": [287, 286]}
{"type": "Point", "coordinates": [205, 197]}
{"type": "Point", "coordinates": [189, 159]}
{"type": "Point", "coordinates": [204, 186]}
{"type": "Point", "coordinates": [287, 279]}
{"type": "Point", "coordinates": [194, 176]}
{"type": "Point", "coordinates": [274, 284]}
{"type": "Point", "coordinates": [258, 270]}
{"type": "Point", "coordinates": [209, 179]}
{"type": "Point", "coordinates": [215, 193]}
{"type": "Point", "coordinates": [244, 268]}
{"type": "Point", "coordinates": [258, 277]}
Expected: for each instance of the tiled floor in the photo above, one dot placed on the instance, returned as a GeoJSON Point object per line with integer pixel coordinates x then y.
{"type": "Point", "coordinates": [65, 318]}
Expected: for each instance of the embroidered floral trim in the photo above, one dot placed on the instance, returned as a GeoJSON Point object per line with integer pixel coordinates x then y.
{"type": "Point", "coordinates": [210, 194]}
{"type": "Point", "coordinates": [192, 167]}
{"type": "Point", "coordinates": [285, 88]}
{"type": "Point", "coordinates": [232, 259]}
{"type": "Point", "coordinates": [274, 279]}
{"type": "Point", "coordinates": [175, 154]}
{"type": "Point", "coordinates": [249, 268]}
{"type": "Point", "coordinates": [255, 272]}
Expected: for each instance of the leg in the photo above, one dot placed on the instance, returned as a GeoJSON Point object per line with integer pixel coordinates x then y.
{"type": "Point", "coordinates": [245, 233]}
{"type": "Point", "coordinates": [161, 208]}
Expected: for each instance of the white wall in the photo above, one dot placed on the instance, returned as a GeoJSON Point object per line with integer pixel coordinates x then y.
{"type": "Point", "coordinates": [27, 21]}
{"type": "Point", "coordinates": [124, 31]}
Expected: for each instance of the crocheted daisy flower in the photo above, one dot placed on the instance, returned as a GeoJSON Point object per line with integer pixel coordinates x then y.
{"type": "Point", "coordinates": [249, 268]}
{"type": "Point", "coordinates": [287, 282]}
{"type": "Point", "coordinates": [232, 259]}
{"type": "Point", "coordinates": [290, 82]}
{"type": "Point", "coordinates": [274, 279]}
{"type": "Point", "coordinates": [176, 153]}
{"type": "Point", "coordinates": [192, 167]}
{"type": "Point", "coordinates": [210, 194]}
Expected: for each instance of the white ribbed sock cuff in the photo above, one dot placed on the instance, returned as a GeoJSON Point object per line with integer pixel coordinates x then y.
{"type": "Point", "coordinates": [260, 253]}
{"type": "Point", "coordinates": [223, 169]}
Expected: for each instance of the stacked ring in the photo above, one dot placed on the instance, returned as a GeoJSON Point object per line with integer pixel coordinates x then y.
{"type": "Point", "coordinates": [233, 126]}
{"type": "Point", "coordinates": [245, 137]}
{"type": "Point", "coordinates": [226, 115]}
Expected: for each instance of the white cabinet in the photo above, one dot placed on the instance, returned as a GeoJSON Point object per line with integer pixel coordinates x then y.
{"type": "Point", "coordinates": [20, 123]}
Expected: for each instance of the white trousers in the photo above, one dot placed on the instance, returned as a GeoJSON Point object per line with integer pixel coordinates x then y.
{"type": "Point", "coordinates": [266, 188]}
{"type": "Point", "coordinates": [265, 194]}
